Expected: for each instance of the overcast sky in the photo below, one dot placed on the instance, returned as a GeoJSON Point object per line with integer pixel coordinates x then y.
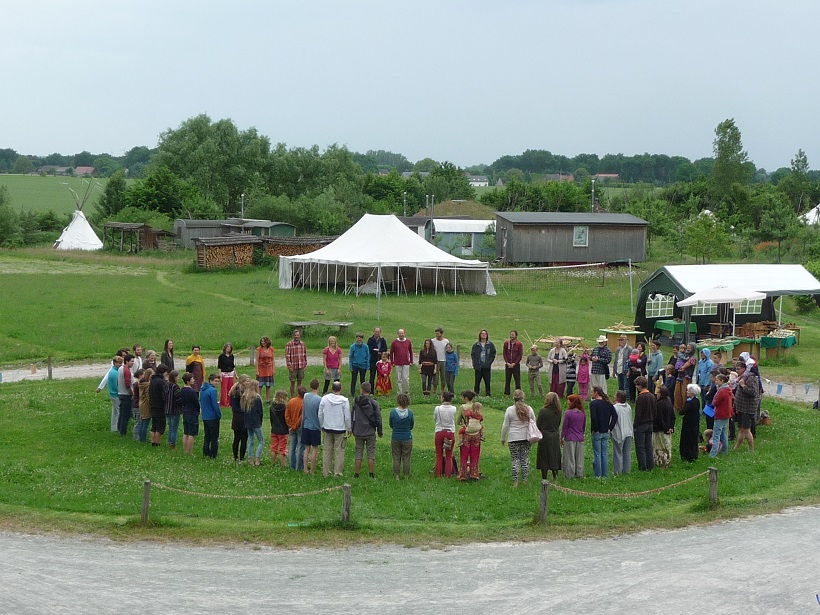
{"type": "Point", "coordinates": [461, 81]}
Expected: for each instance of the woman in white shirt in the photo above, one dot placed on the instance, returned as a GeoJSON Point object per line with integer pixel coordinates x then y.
{"type": "Point", "coordinates": [514, 431]}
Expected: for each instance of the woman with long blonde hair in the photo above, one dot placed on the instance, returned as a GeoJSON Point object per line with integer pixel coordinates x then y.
{"type": "Point", "coordinates": [514, 430]}
{"type": "Point", "coordinates": [251, 403]}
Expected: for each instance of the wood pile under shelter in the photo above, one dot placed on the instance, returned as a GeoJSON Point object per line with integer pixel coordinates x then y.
{"type": "Point", "coordinates": [294, 246]}
{"type": "Point", "coordinates": [226, 252]}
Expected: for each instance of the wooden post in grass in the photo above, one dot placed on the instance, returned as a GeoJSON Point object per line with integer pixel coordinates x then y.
{"type": "Point", "coordinates": [146, 501]}
{"type": "Point", "coordinates": [252, 353]}
{"type": "Point", "coordinates": [345, 503]}
{"type": "Point", "coordinates": [49, 367]}
{"type": "Point", "coordinates": [545, 500]}
{"type": "Point", "coordinates": [713, 484]}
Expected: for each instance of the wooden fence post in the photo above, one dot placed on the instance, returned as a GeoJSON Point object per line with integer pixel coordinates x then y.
{"type": "Point", "coordinates": [713, 487]}
{"type": "Point", "coordinates": [252, 353]}
{"type": "Point", "coordinates": [345, 503]}
{"type": "Point", "coordinates": [49, 367]}
{"type": "Point", "coordinates": [545, 500]}
{"type": "Point", "coordinates": [146, 501]}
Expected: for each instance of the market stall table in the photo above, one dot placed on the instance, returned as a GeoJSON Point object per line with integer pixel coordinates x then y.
{"type": "Point", "coordinates": [612, 335]}
{"type": "Point", "coordinates": [775, 345]}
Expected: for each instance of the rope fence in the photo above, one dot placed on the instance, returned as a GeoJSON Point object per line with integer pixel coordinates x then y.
{"type": "Point", "coordinates": [146, 497]}
{"type": "Point", "coordinates": [545, 489]}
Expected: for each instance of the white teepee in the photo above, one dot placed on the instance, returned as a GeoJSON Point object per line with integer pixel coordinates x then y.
{"type": "Point", "coordinates": [78, 235]}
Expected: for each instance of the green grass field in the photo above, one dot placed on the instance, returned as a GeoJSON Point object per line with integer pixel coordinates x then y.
{"type": "Point", "coordinates": [63, 469]}
{"type": "Point", "coordinates": [37, 193]}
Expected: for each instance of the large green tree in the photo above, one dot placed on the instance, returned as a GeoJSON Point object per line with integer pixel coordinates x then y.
{"type": "Point", "coordinates": [215, 157]}
{"type": "Point", "coordinates": [730, 166]}
{"type": "Point", "coordinates": [778, 221]}
{"type": "Point", "coordinates": [796, 184]}
{"type": "Point", "coordinates": [113, 198]}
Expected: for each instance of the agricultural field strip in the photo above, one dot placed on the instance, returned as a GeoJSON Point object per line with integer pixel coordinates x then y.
{"type": "Point", "coordinates": [18, 266]}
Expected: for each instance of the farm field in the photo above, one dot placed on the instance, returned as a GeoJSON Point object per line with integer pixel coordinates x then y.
{"type": "Point", "coordinates": [72, 474]}
{"type": "Point", "coordinates": [38, 193]}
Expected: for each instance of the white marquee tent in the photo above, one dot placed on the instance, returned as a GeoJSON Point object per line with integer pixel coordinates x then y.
{"type": "Point", "coordinates": [78, 235]}
{"type": "Point", "coordinates": [379, 254]}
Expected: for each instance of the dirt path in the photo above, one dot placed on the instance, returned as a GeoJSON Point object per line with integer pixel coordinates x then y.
{"type": "Point", "coordinates": [790, 391]}
{"type": "Point", "coordinates": [767, 564]}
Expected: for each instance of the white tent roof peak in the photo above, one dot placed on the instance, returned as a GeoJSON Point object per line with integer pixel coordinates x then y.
{"type": "Point", "coordinates": [382, 240]}
{"type": "Point", "coordinates": [78, 235]}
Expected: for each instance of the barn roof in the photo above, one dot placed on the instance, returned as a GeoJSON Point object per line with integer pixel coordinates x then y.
{"type": "Point", "coordinates": [558, 217]}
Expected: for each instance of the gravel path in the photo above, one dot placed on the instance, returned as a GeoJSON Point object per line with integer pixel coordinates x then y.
{"type": "Point", "coordinates": [767, 564]}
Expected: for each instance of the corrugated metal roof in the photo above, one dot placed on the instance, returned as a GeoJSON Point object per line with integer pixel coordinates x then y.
{"type": "Point", "coordinates": [570, 218]}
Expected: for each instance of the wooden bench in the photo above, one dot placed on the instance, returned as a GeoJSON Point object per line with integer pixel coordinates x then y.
{"type": "Point", "coordinates": [304, 324]}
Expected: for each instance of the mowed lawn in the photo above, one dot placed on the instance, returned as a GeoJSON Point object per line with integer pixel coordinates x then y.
{"type": "Point", "coordinates": [63, 469]}
{"type": "Point", "coordinates": [41, 193]}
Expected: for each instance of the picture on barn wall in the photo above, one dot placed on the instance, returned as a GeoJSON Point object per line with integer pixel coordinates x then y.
{"type": "Point", "coordinates": [580, 237]}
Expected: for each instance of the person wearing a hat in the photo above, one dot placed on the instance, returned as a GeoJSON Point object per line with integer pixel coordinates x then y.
{"type": "Point", "coordinates": [600, 358]}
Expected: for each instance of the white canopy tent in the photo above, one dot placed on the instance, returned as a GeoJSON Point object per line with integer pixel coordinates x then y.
{"type": "Point", "coordinates": [78, 235]}
{"type": "Point", "coordinates": [718, 295]}
{"type": "Point", "coordinates": [379, 254]}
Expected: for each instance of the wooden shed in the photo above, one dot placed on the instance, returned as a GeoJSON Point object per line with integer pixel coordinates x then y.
{"type": "Point", "coordinates": [188, 231]}
{"type": "Point", "coordinates": [556, 237]}
{"type": "Point", "coordinates": [132, 236]}
{"type": "Point", "coordinates": [226, 252]}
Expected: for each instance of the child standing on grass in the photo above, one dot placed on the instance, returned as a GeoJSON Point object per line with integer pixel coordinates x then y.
{"type": "Point", "coordinates": [190, 413]}
{"type": "Point", "coordinates": [470, 434]}
{"type": "Point", "coordinates": [450, 367]}
{"type": "Point", "coordinates": [402, 422]}
{"type": "Point", "coordinates": [144, 404]}
{"type": "Point", "coordinates": [252, 407]}
{"type": "Point", "coordinates": [572, 373]}
{"type": "Point", "coordinates": [279, 429]}
{"type": "Point", "coordinates": [384, 385]}
{"type": "Point", "coordinates": [583, 376]}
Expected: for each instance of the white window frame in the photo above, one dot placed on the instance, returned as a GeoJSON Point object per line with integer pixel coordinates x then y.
{"type": "Point", "coordinates": [750, 306]}
{"type": "Point", "coordinates": [660, 306]}
{"type": "Point", "coordinates": [705, 309]}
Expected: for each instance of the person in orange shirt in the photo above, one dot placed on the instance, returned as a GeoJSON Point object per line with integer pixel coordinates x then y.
{"type": "Point", "coordinates": [293, 417]}
{"type": "Point", "coordinates": [265, 366]}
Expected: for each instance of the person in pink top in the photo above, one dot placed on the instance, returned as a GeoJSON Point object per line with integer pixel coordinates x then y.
{"type": "Point", "coordinates": [572, 438]}
{"type": "Point", "coordinates": [332, 358]}
{"type": "Point", "coordinates": [401, 356]}
{"type": "Point", "coordinates": [513, 355]}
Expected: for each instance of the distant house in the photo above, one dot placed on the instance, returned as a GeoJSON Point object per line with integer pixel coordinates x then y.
{"type": "Point", "coordinates": [188, 231]}
{"type": "Point", "coordinates": [556, 237]}
{"type": "Point", "coordinates": [419, 224]}
{"type": "Point", "coordinates": [409, 174]}
{"type": "Point", "coordinates": [478, 181]}
{"type": "Point", "coordinates": [84, 171]}
{"type": "Point", "coordinates": [460, 237]}
{"type": "Point", "coordinates": [51, 169]}
{"type": "Point", "coordinates": [613, 177]}
{"type": "Point", "coordinates": [558, 177]}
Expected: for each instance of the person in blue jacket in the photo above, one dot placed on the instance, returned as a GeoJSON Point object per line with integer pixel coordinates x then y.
{"type": "Point", "coordinates": [705, 367]}
{"type": "Point", "coordinates": [211, 415]}
{"type": "Point", "coordinates": [359, 361]}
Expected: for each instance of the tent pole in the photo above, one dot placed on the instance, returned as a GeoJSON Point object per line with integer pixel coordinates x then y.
{"type": "Point", "coordinates": [687, 319]}
{"type": "Point", "coordinates": [378, 293]}
{"type": "Point", "coordinates": [631, 295]}
{"type": "Point", "coordinates": [435, 277]}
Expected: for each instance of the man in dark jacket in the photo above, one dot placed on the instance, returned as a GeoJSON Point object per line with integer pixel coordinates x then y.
{"type": "Point", "coordinates": [366, 419]}
{"type": "Point", "coordinates": [645, 408]}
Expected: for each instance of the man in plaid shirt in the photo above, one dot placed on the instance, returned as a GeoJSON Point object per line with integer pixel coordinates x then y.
{"type": "Point", "coordinates": [296, 360]}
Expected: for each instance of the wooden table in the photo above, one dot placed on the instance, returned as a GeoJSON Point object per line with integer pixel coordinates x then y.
{"type": "Point", "coordinates": [612, 335]}
{"type": "Point", "coordinates": [304, 324]}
